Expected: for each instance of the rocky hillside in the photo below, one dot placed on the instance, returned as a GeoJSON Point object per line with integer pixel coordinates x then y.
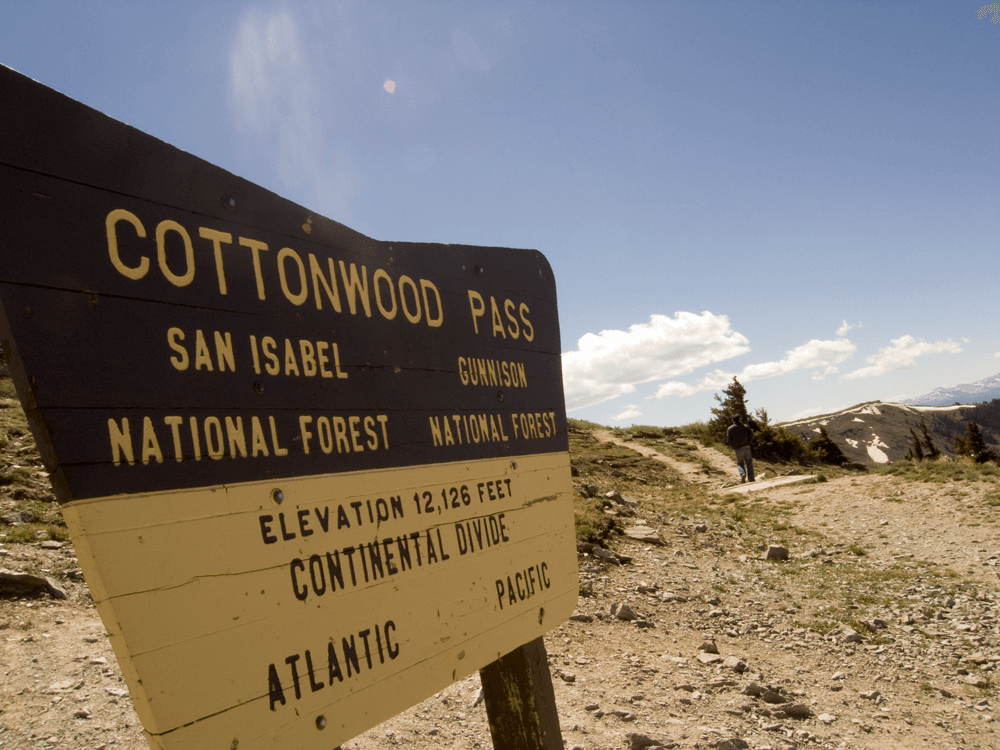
{"type": "Point", "coordinates": [877, 432]}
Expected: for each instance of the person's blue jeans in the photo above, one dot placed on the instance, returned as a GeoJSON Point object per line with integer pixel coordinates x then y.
{"type": "Point", "coordinates": [744, 462]}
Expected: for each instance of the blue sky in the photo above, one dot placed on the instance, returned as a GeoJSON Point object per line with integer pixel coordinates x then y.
{"type": "Point", "coordinates": [803, 194]}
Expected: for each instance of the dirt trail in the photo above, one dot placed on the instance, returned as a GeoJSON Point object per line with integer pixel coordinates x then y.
{"type": "Point", "coordinates": [692, 472]}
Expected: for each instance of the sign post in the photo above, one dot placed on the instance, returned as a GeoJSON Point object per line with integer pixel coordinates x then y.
{"type": "Point", "coordinates": [311, 478]}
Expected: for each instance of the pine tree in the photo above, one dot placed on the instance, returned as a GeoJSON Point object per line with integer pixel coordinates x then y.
{"type": "Point", "coordinates": [959, 445]}
{"type": "Point", "coordinates": [916, 452]}
{"type": "Point", "coordinates": [977, 448]}
{"type": "Point", "coordinates": [733, 404]}
{"type": "Point", "coordinates": [932, 452]}
{"type": "Point", "coordinates": [825, 450]}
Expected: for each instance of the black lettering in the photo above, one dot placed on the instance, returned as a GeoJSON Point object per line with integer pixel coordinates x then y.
{"type": "Point", "coordinates": [342, 522]}
{"type": "Point", "coordinates": [303, 523]}
{"type": "Point", "coordinates": [324, 518]}
{"type": "Point", "coordinates": [388, 556]}
{"type": "Point", "coordinates": [375, 556]}
{"type": "Point", "coordinates": [403, 550]}
{"type": "Point", "coordinates": [503, 529]}
{"type": "Point", "coordinates": [368, 654]}
{"type": "Point", "coordinates": [316, 562]}
{"type": "Point", "coordinates": [350, 655]}
{"type": "Point", "coordinates": [314, 686]}
{"type": "Point", "coordinates": [393, 653]}
{"type": "Point", "coordinates": [284, 532]}
{"type": "Point", "coordinates": [291, 661]}
{"type": "Point", "coordinates": [336, 574]}
{"type": "Point", "coordinates": [274, 689]}
{"type": "Point", "coordinates": [334, 663]}
{"type": "Point", "coordinates": [500, 591]}
{"type": "Point", "coordinates": [265, 531]}
{"type": "Point", "coordinates": [303, 593]}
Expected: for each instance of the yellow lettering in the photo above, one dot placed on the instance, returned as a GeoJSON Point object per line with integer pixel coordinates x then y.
{"type": "Point", "coordinates": [161, 252]}
{"type": "Point", "coordinates": [354, 286]}
{"type": "Point", "coordinates": [355, 423]}
{"type": "Point", "coordinates": [295, 299]}
{"type": "Point", "coordinates": [372, 435]}
{"type": "Point", "coordinates": [340, 432]}
{"type": "Point", "coordinates": [290, 361]}
{"type": "Point", "coordinates": [213, 438]}
{"type": "Point", "coordinates": [383, 420]}
{"type": "Point", "coordinates": [224, 351]}
{"type": "Point", "coordinates": [433, 322]}
{"type": "Point", "coordinates": [318, 278]}
{"type": "Point", "coordinates": [381, 275]}
{"type": "Point", "coordinates": [478, 308]}
{"type": "Point", "coordinates": [256, 356]}
{"type": "Point", "coordinates": [255, 248]}
{"type": "Point", "coordinates": [273, 365]}
{"type": "Point", "coordinates": [121, 442]}
{"type": "Point", "coordinates": [150, 445]}
{"type": "Point", "coordinates": [308, 359]}
{"type": "Point", "coordinates": [257, 437]}
{"type": "Point", "coordinates": [336, 363]}
{"type": "Point", "coordinates": [195, 439]}
{"type": "Point", "coordinates": [435, 424]}
{"type": "Point", "coordinates": [304, 432]}
{"type": "Point", "coordinates": [410, 316]}
{"type": "Point", "coordinates": [321, 347]}
{"type": "Point", "coordinates": [120, 214]}
{"type": "Point", "coordinates": [175, 431]}
{"type": "Point", "coordinates": [217, 239]}
{"type": "Point", "coordinates": [508, 308]}
{"type": "Point", "coordinates": [237, 439]}
{"type": "Point", "coordinates": [529, 330]}
{"type": "Point", "coordinates": [497, 323]}
{"type": "Point", "coordinates": [174, 336]}
{"type": "Point", "coordinates": [278, 450]}
{"type": "Point", "coordinates": [463, 374]}
{"type": "Point", "coordinates": [202, 357]}
{"type": "Point", "coordinates": [325, 434]}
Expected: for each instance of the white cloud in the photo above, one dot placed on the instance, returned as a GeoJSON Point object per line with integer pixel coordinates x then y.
{"type": "Point", "coordinates": [611, 363]}
{"type": "Point", "coordinates": [901, 355]}
{"type": "Point", "coordinates": [631, 412]}
{"type": "Point", "coordinates": [812, 354]}
{"type": "Point", "coordinates": [276, 100]}
{"type": "Point", "coordinates": [997, 355]}
{"type": "Point", "coordinates": [845, 327]}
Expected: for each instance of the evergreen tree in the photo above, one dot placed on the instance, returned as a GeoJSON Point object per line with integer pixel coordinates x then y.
{"type": "Point", "coordinates": [733, 404]}
{"type": "Point", "coordinates": [932, 452]}
{"type": "Point", "coordinates": [916, 452]}
{"type": "Point", "coordinates": [959, 445]}
{"type": "Point", "coordinates": [825, 450]}
{"type": "Point", "coordinates": [978, 451]}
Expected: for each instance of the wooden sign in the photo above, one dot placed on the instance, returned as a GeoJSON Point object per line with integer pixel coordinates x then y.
{"type": "Point", "coordinates": [311, 478]}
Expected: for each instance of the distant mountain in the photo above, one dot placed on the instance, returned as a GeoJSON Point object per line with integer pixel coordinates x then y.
{"type": "Point", "coordinates": [877, 431]}
{"type": "Point", "coordinates": [986, 389]}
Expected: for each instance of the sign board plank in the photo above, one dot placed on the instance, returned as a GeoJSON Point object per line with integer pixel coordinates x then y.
{"type": "Point", "coordinates": [311, 477]}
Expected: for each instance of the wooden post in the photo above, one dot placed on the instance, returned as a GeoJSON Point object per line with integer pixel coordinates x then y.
{"type": "Point", "coordinates": [520, 701]}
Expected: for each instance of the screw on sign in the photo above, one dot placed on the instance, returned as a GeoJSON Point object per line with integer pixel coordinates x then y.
{"type": "Point", "coordinates": [312, 478]}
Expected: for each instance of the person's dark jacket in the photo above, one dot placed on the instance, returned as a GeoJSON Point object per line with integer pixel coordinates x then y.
{"type": "Point", "coordinates": [738, 436]}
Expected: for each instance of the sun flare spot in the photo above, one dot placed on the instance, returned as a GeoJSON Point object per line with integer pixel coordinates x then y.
{"type": "Point", "coordinates": [389, 86]}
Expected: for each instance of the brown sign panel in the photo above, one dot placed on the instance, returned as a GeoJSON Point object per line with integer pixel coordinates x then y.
{"type": "Point", "coordinates": [311, 477]}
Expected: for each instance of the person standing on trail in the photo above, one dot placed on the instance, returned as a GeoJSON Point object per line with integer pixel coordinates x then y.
{"type": "Point", "coordinates": [738, 438]}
